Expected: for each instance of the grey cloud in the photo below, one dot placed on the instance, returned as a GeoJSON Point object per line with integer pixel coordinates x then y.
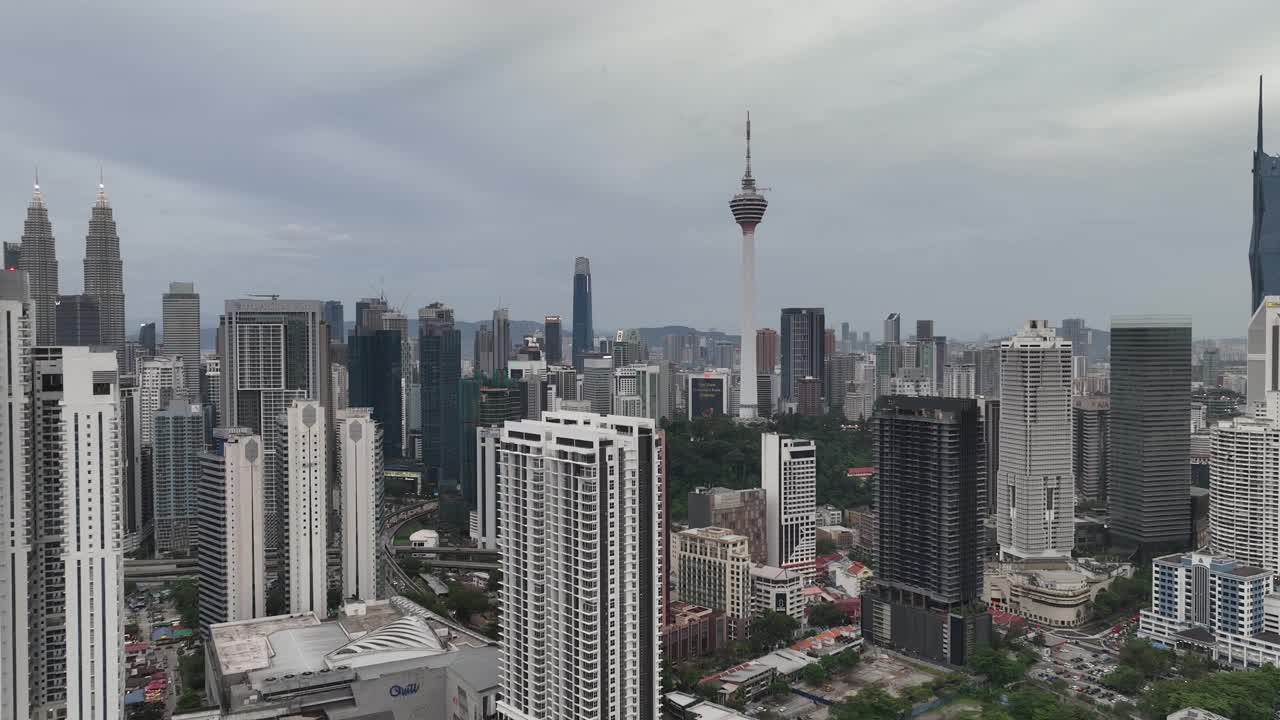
{"type": "Point", "coordinates": [978, 163]}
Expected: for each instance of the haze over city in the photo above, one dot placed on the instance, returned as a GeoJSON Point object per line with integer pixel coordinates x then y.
{"type": "Point", "coordinates": [1047, 159]}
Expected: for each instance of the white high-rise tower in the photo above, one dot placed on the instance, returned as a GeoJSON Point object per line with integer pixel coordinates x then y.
{"type": "Point", "coordinates": [580, 497]}
{"type": "Point", "coordinates": [302, 472]}
{"type": "Point", "coordinates": [748, 208]}
{"type": "Point", "coordinates": [78, 576]}
{"type": "Point", "coordinates": [1035, 486]}
{"type": "Point", "coordinates": [789, 476]}
{"type": "Point", "coordinates": [16, 502]}
{"type": "Point", "coordinates": [230, 528]}
{"type": "Point", "coordinates": [359, 461]}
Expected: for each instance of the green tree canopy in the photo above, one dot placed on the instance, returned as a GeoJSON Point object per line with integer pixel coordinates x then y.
{"type": "Point", "coordinates": [771, 630]}
{"type": "Point", "coordinates": [825, 615]}
{"type": "Point", "coordinates": [995, 665]}
{"type": "Point", "coordinates": [1240, 695]}
{"type": "Point", "coordinates": [871, 703]}
{"type": "Point", "coordinates": [1124, 679]}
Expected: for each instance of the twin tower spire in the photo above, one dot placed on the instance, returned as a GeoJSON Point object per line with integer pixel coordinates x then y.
{"type": "Point", "coordinates": [103, 269]}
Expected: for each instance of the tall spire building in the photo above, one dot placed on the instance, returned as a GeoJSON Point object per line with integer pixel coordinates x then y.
{"type": "Point", "coordinates": [582, 328]}
{"type": "Point", "coordinates": [1264, 245]}
{"type": "Point", "coordinates": [38, 259]}
{"type": "Point", "coordinates": [104, 271]}
{"type": "Point", "coordinates": [748, 208]}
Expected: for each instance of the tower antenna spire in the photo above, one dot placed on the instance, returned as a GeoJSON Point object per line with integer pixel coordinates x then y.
{"type": "Point", "coordinates": [1259, 118]}
{"type": "Point", "coordinates": [37, 185]}
{"type": "Point", "coordinates": [748, 143]}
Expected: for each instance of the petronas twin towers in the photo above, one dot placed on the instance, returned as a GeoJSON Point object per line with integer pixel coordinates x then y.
{"type": "Point", "coordinates": [103, 269]}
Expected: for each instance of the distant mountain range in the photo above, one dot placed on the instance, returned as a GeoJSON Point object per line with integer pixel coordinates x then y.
{"type": "Point", "coordinates": [520, 328]}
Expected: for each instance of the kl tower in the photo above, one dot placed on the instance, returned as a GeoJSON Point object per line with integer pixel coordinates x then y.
{"type": "Point", "coordinates": [748, 208]}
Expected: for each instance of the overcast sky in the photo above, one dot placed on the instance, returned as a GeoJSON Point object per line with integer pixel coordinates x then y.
{"type": "Point", "coordinates": [975, 163]}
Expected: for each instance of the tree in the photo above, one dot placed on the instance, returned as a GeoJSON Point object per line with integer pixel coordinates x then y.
{"type": "Point", "coordinates": [411, 565]}
{"type": "Point", "coordinates": [779, 687]}
{"type": "Point", "coordinates": [1240, 695]}
{"type": "Point", "coordinates": [771, 630]}
{"type": "Point", "coordinates": [190, 700]}
{"type": "Point", "coordinates": [813, 674]}
{"type": "Point", "coordinates": [827, 615]}
{"type": "Point", "coordinates": [863, 556]}
{"type": "Point", "coordinates": [1146, 658]}
{"type": "Point", "coordinates": [191, 667]}
{"type": "Point", "coordinates": [465, 602]}
{"type": "Point", "coordinates": [1124, 679]}
{"type": "Point", "coordinates": [334, 599]}
{"type": "Point", "coordinates": [130, 587]}
{"type": "Point", "coordinates": [132, 630]}
{"type": "Point", "coordinates": [186, 597]}
{"type": "Point", "coordinates": [495, 581]}
{"type": "Point", "coordinates": [146, 711]}
{"type": "Point", "coordinates": [1032, 704]}
{"type": "Point", "coordinates": [871, 703]}
{"type": "Point", "coordinates": [995, 665]}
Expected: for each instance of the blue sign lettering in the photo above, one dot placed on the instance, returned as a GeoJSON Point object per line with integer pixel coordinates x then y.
{"type": "Point", "coordinates": [403, 690]}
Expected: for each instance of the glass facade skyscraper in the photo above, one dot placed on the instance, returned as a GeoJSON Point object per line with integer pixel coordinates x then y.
{"type": "Point", "coordinates": [582, 327]}
{"type": "Point", "coordinates": [802, 350]}
{"type": "Point", "coordinates": [1264, 244]}
{"type": "Point", "coordinates": [440, 359]}
{"type": "Point", "coordinates": [373, 376]}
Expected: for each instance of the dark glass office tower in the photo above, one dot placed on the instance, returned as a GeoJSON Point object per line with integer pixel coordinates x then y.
{"type": "Point", "coordinates": [930, 499]}
{"type": "Point", "coordinates": [147, 337]}
{"type": "Point", "coordinates": [582, 327]}
{"type": "Point", "coordinates": [373, 377]}
{"type": "Point", "coordinates": [551, 340]}
{"type": "Point", "coordinates": [440, 360]}
{"type": "Point", "coordinates": [1150, 477]}
{"type": "Point", "coordinates": [803, 330]}
{"type": "Point", "coordinates": [78, 320]}
{"type": "Point", "coordinates": [1264, 244]}
{"type": "Point", "coordinates": [333, 317]}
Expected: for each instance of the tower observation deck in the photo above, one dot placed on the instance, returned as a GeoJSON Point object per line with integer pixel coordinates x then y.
{"type": "Point", "coordinates": [748, 208]}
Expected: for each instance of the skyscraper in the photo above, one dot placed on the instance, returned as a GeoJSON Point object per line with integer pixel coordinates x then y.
{"type": "Point", "coordinates": [766, 351]}
{"type": "Point", "coordinates": [742, 511]}
{"type": "Point", "coordinates": [373, 381]}
{"type": "Point", "coordinates": [175, 462]}
{"type": "Point", "coordinates": [147, 336]}
{"type": "Point", "coordinates": [1091, 446]}
{"type": "Point", "coordinates": [1150, 442]}
{"type": "Point", "coordinates": [583, 330]}
{"type": "Point", "coordinates": [802, 352]}
{"type": "Point", "coordinates": [273, 352]}
{"type": "Point", "coordinates": [181, 309]}
{"type": "Point", "coordinates": [17, 503]}
{"type": "Point", "coordinates": [928, 547]}
{"type": "Point", "coordinates": [369, 312]}
{"type": "Point", "coordinates": [440, 358]}
{"type": "Point", "coordinates": [893, 328]}
{"type": "Point", "coordinates": [597, 382]}
{"type": "Point", "coordinates": [302, 471]}
{"type": "Point", "coordinates": [788, 474]}
{"type": "Point", "coordinates": [748, 208]}
{"type": "Point", "coordinates": [924, 330]}
{"type": "Point", "coordinates": [77, 628]}
{"type": "Point", "coordinates": [161, 381]}
{"type": "Point", "coordinates": [581, 567]}
{"type": "Point", "coordinates": [230, 526]}
{"type": "Point", "coordinates": [1035, 507]}
{"type": "Point", "coordinates": [552, 348]}
{"type": "Point", "coordinates": [12, 255]}
{"type": "Point", "coordinates": [501, 340]}
{"type": "Point", "coordinates": [1264, 243]}
{"type": "Point", "coordinates": [482, 354]}
{"type": "Point", "coordinates": [78, 321]}
{"type": "Point", "coordinates": [334, 318]}
{"type": "Point", "coordinates": [104, 271]}
{"type": "Point", "coordinates": [359, 461]}
{"type": "Point", "coordinates": [715, 572]}
{"type": "Point", "coordinates": [38, 258]}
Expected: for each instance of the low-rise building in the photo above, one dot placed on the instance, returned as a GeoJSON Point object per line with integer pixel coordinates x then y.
{"type": "Point", "coordinates": [387, 659]}
{"type": "Point", "coordinates": [850, 576]}
{"type": "Point", "coordinates": [840, 536]}
{"type": "Point", "coordinates": [713, 565]}
{"type": "Point", "coordinates": [683, 706]}
{"type": "Point", "coordinates": [1215, 605]}
{"type": "Point", "coordinates": [1056, 594]}
{"type": "Point", "coordinates": [778, 590]}
{"type": "Point", "coordinates": [828, 515]}
{"type": "Point", "coordinates": [693, 631]}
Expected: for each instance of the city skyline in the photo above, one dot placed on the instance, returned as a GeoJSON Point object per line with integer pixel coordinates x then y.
{"type": "Point", "coordinates": [1156, 162]}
